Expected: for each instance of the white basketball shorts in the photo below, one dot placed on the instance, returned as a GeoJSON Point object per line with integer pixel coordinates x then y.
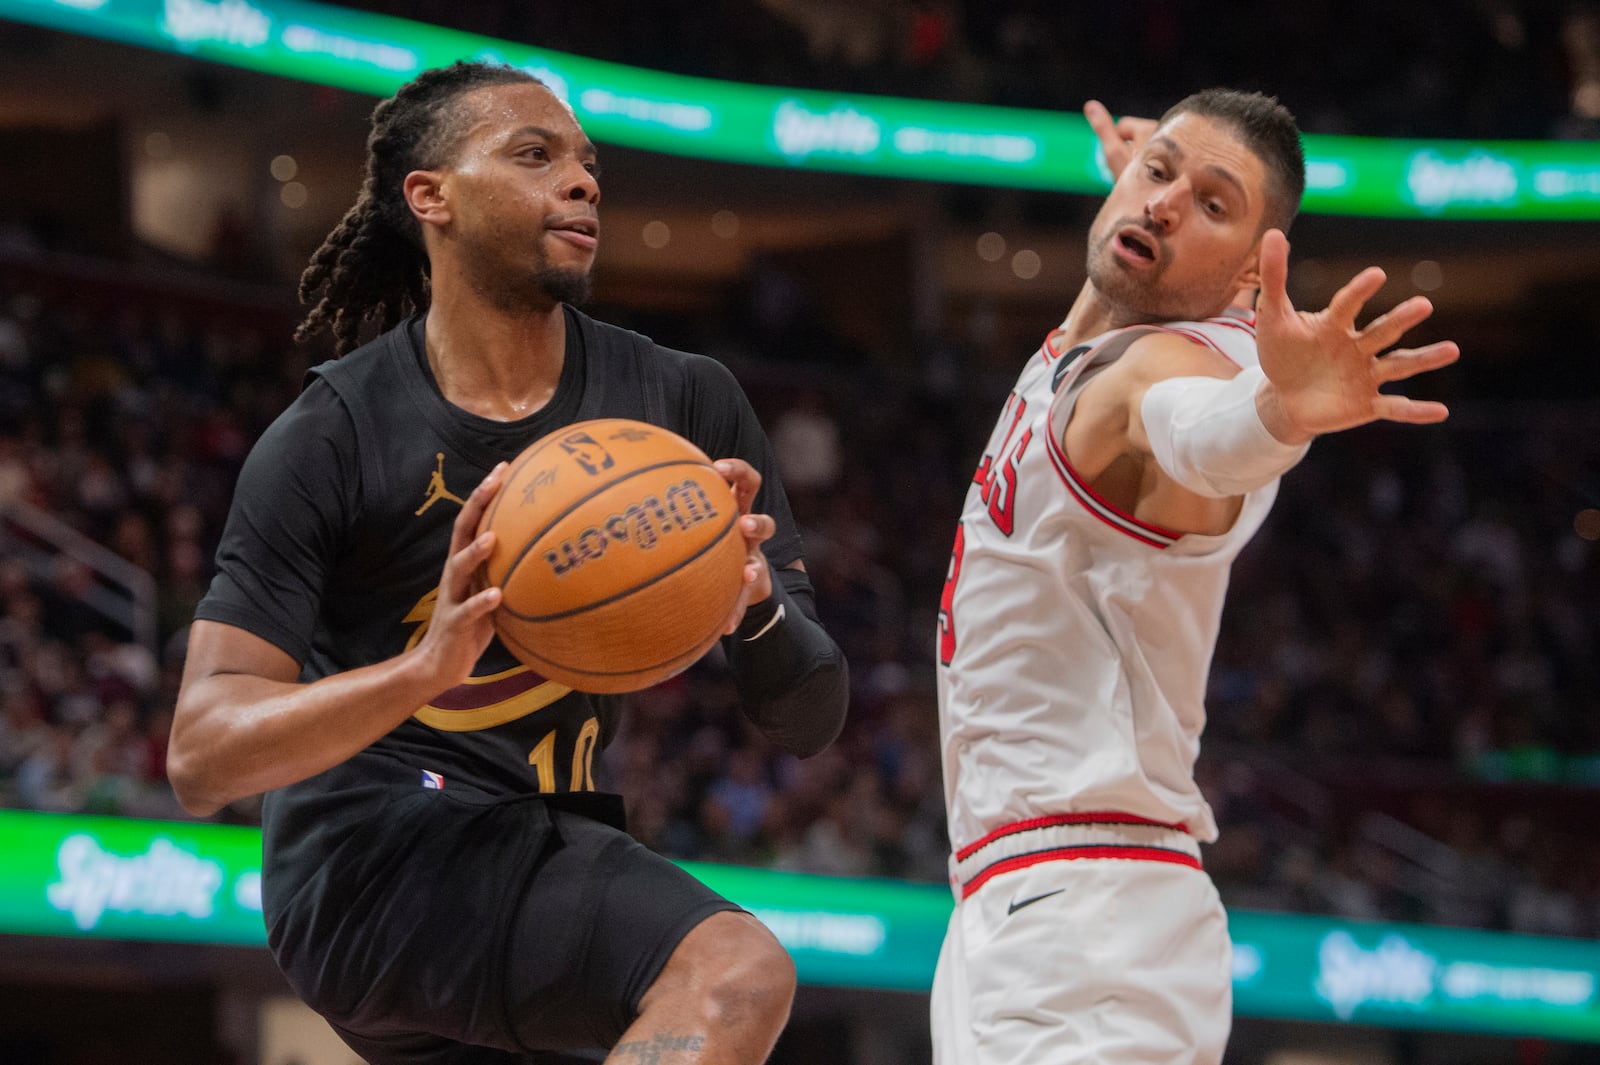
{"type": "Point", "coordinates": [1072, 961]}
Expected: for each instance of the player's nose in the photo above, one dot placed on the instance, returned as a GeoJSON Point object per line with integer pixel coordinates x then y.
{"type": "Point", "coordinates": [580, 184]}
{"type": "Point", "coordinates": [1162, 208]}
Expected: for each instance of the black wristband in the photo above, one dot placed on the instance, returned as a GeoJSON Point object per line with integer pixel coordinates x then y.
{"type": "Point", "coordinates": [759, 617]}
{"type": "Point", "coordinates": [792, 678]}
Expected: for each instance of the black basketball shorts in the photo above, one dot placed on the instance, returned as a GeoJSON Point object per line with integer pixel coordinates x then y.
{"type": "Point", "coordinates": [456, 930]}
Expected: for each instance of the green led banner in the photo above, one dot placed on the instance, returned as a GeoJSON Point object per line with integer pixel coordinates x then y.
{"type": "Point", "coordinates": [769, 126]}
{"type": "Point", "coordinates": [163, 881]}
{"type": "Point", "coordinates": [1414, 976]}
{"type": "Point", "coordinates": [124, 879]}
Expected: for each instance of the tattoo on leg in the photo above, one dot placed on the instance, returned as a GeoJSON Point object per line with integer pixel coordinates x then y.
{"type": "Point", "coordinates": [651, 1051]}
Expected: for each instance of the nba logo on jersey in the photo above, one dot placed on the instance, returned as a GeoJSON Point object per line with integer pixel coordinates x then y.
{"type": "Point", "coordinates": [433, 780]}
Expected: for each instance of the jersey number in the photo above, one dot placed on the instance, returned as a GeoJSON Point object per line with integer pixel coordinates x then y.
{"type": "Point", "coordinates": [997, 480]}
{"type": "Point", "coordinates": [543, 759]}
{"type": "Point", "coordinates": [947, 616]}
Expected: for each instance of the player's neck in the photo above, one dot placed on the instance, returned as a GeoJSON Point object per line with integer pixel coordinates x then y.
{"type": "Point", "coordinates": [490, 362]}
{"type": "Point", "coordinates": [1091, 315]}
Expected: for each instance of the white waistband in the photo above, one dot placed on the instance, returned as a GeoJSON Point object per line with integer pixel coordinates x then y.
{"type": "Point", "coordinates": [1044, 839]}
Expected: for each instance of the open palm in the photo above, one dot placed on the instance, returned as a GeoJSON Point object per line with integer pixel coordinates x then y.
{"type": "Point", "coordinates": [1326, 373]}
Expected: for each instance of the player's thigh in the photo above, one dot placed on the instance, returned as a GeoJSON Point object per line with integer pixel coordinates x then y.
{"type": "Point", "coordinates": [407, 936]}
{"type": "Point", "coordinates": [1103, 961]}
{"type": "Point", "coordinates": [608, 913]}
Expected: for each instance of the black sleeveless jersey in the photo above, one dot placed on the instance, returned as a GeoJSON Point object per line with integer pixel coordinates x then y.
{"type": "Point", "coordinates": [339, 529]}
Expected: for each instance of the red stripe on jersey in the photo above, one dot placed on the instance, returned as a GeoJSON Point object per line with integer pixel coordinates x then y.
{"type": "Point", "coordinates": [1091, 817]}
{"type": "Point", "coordinates": [1144, 532]}
{"type": "Point", "coordinates": [1198, 338]}
{"type": "Point", "coordinates": [1243, 325]}
{"type": "Point", "coordinates": [1062, 854]}
{"type": "Point", "coordinates": [1049, 345]}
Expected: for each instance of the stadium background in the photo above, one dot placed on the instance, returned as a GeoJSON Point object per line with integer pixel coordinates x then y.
{"type": "Point", "coordinates": [1405, 705]}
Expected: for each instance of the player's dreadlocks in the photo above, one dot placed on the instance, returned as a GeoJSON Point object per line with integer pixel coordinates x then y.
{"type": "Point", "coordinates": [373, 265]}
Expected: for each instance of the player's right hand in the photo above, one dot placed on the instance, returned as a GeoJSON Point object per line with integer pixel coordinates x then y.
{"type": "Point", "coordinates": [1120, 139]}
{"type": "Point", "coordinates": [1325, 373]}
{"type": "Point", "coordinates": [460, 629]}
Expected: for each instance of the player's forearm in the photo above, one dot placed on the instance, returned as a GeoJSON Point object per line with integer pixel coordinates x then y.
{"type": "Point", "coordinates": [793, 680]}
{"type": "Point", "coordinates": [1211, 435]}
{"type": "Point", "coordinates": [236, 734]}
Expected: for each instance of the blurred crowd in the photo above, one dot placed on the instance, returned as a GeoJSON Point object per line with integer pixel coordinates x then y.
{"type": "Point", "coordinates": [1403, 703]}
{"type": "Point", "coordinates": [1385, 69]}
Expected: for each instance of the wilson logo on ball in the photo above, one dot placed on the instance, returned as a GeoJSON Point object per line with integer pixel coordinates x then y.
{"type": "Point", "coordinates": [642, 523]}
{"type": "Point", "coordinates": [667, 525]}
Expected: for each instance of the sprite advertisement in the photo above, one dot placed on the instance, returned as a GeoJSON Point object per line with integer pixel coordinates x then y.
{"type": "Point", "coordinates": [199, 883]}
{"type": "Point", "coordinates": [770, 126]}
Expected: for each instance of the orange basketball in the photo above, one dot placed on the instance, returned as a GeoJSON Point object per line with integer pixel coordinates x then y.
{"type": "Point", "coordinates": [618, 551]}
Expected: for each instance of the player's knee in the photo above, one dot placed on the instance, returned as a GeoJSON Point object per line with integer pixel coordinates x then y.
{"type": "Point", "coordinates": [744, 978]}
{"type": "Point", "coordinates": [754, 987]}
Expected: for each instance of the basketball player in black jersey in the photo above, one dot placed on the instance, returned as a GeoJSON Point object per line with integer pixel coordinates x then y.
{"type": "Point", "coordinates": [441, 881]}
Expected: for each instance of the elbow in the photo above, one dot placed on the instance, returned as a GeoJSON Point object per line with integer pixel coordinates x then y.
{"type": "Point", "coordinates": [810, 718]}
{"type": "Point", "coordinates": [187, 771]}
{"type": "Point", "coordinates": [189, 785]}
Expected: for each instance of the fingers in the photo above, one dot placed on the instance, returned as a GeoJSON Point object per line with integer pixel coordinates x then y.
{"type": "Point", "coordinates": [757, 529]}
{"type": "Point", "coordinates": [1383, 331]}
{"type": "Point", "coordinates": [482, 603]}
{"type": "Point", "coordinates": [1119, 138]}
{"type": "Point", "coordinates": [466, 526]}
{"type": "Point", "coordinates": [455, 584]}
{"type": "Point", "coordinates": [742, 478]}
{"type": "Point", "coordinates": [1136, 130]}
{"type": "Point", "coordinates": [1412, 411]}
{"type": "Point", "coordinates": [1274, 301]}
{"type": "Point", "coordinates": [468, 546]}
{"type": "Point", "coordinates": [1105, 128]}
{"type": "Point", "coordinates": [1349, 300]}
{"type": "Point", "coordinates": [1399, 365]}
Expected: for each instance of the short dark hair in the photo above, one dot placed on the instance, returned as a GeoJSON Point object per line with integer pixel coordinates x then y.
{"type": "Point", "coordinates": [1270, 132]}
{"type": "Point", "coordinates": [373, 265]}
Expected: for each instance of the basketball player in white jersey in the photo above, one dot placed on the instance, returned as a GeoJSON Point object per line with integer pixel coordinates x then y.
{"type": "Point", "coordinates": [1138, 452]}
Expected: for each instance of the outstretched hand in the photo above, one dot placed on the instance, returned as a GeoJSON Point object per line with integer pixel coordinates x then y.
{"type": "Point", "coordinates": [1120, 139]}
{"type": "Point", "coordinates": [1325, 374]}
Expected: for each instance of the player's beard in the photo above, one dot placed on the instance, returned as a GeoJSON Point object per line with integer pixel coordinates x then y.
{"type": "Point", "coordinates": [520, 286]}
{"type": "Point", "coordinates": [563, 284]}
{"type": "Point", "coordinates": [1145, 296]}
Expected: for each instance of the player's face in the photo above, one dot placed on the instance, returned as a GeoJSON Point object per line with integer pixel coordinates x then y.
{"type": "Point", "coordinates": [524, 196]}
{"type": "Point", "coordinates": [1179, 235]}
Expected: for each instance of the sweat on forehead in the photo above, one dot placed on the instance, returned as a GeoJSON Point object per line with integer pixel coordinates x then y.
{"type": "Point", "coordinates": [494, 105]}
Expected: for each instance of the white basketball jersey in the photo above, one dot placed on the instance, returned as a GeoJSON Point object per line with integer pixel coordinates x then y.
{"type": "Point", "coordinates": [1074, 639]}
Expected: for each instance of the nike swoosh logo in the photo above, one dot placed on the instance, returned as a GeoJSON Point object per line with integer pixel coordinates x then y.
{"type": "Point", "coordinates": [1017, 904]}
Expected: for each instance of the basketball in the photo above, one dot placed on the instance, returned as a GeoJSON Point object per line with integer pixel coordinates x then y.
{"type": "Point", "coordinates": [618, 553]}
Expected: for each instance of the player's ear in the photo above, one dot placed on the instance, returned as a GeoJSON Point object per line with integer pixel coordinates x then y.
{"type": "Point", "coordinates": [1249, 276]}
{"type": "Point", "coordinates": [427, 197]}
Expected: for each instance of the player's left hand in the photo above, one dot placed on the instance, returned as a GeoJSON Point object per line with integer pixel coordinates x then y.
{"type": "Point", "coordinates": [1325, 374]}
{"type": "Point", "coordinates": [1121, 138]}
{"type": "Point", "coordinates": [757, 530]}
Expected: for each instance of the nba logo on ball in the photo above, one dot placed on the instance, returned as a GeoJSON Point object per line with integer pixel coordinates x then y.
{"type": "Point", "coordinates": [623, 575]}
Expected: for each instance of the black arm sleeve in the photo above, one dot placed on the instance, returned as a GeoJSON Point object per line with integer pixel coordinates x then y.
{"type": "Point", "coordinates": [792, 678]}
